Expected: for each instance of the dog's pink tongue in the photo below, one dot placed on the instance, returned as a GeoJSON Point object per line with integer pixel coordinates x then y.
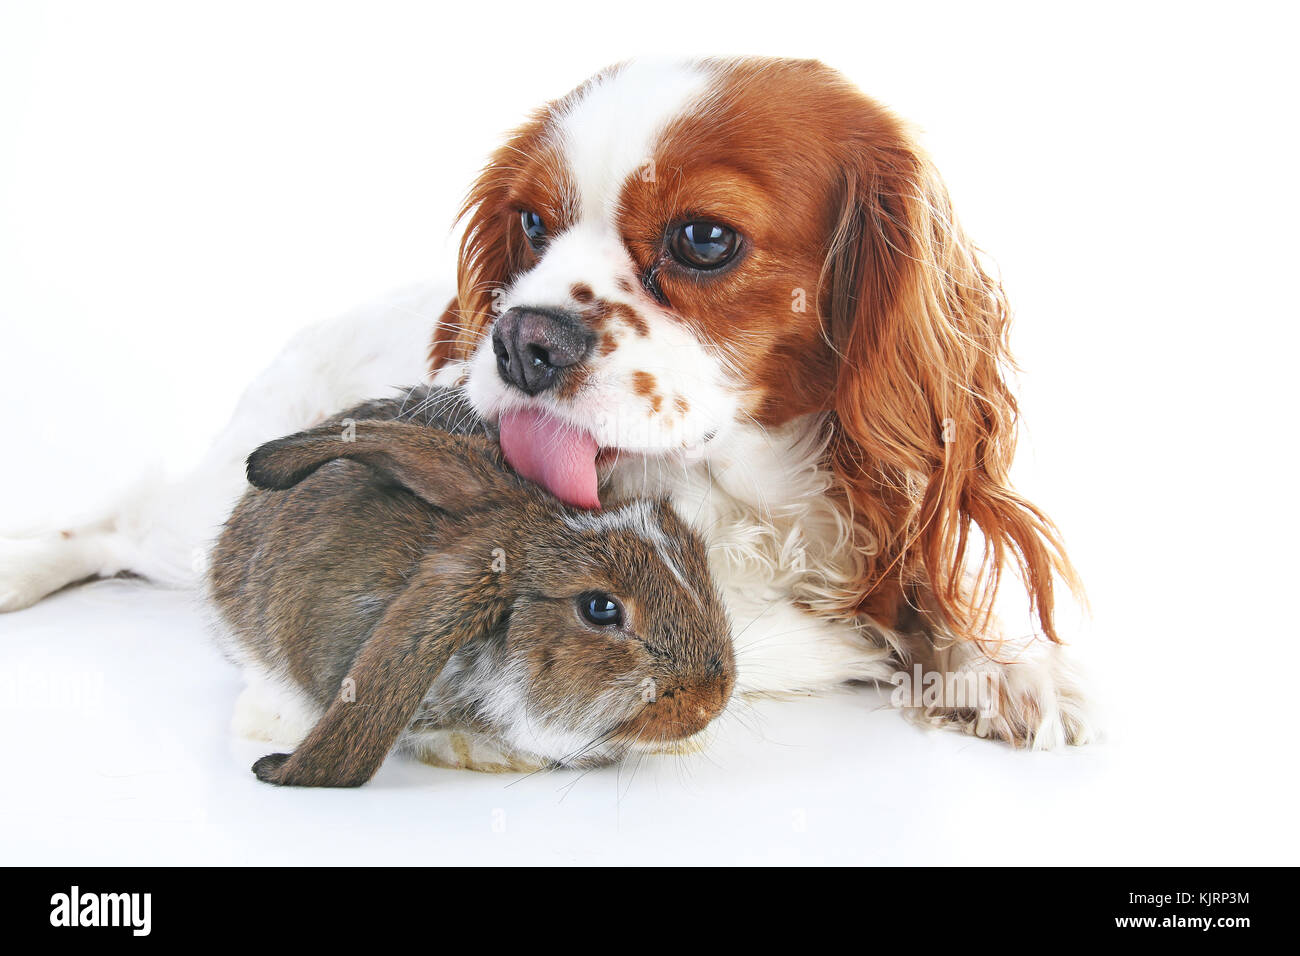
{"type": "Point", "coordinates": [552, 453]}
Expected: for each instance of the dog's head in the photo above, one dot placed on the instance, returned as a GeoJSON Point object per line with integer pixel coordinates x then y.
{"type": "Point", "coordinates": [677, 252]}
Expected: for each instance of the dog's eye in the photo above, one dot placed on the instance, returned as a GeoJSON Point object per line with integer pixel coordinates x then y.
{"type": "Point", "coordinates": [703, 245]}
{"type": "Point", "coordinates": [601, 609]}
{"type": "Point", "coordinates": [534, 228]}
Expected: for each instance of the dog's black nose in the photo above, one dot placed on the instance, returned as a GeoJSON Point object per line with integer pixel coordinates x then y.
{"type": "Point", "coordinates": [533, 346]}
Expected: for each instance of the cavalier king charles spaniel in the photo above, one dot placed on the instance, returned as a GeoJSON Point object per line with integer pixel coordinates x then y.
{"type": "Point", "coordinates": [737, 283]}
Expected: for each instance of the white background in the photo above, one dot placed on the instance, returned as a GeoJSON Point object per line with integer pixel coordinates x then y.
{"type": "Point", "coordinates": [183, 185]}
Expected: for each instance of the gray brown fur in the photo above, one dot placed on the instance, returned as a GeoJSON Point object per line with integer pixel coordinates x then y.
{"type": "Point", "coordinates": [380, 560]}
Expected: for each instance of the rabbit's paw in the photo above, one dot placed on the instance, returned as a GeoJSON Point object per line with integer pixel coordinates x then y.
{"type": "Point", "coordinates": [461, 750]}
{"type": "Point", "coordinates": [272, 711]}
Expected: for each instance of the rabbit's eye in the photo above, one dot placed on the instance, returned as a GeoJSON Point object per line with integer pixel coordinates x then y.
{"type": "Point", "coordinates": [603, 610]}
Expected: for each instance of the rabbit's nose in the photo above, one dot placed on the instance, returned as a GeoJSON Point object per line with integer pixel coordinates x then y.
{"type": "Point", "coordinates": [534, 346]}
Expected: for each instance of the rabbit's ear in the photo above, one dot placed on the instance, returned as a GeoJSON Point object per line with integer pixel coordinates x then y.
{"type": "Point", "coordinates": [449, 472]}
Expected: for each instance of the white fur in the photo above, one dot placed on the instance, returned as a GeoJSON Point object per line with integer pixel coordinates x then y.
{"type": "Point", "coordinates": [272, 709]}
{"type": "Point", "coordinates": [610, 133]}
{"type": "Point", "coordinates": [608, 405]}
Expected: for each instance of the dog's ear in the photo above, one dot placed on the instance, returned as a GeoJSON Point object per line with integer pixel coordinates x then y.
{"type": "Point", "coordinates": [453, 473]}
{"type": "Point", "coordinates": [925, 420]}
{"type": "Point", "coordinates": [493, 249]}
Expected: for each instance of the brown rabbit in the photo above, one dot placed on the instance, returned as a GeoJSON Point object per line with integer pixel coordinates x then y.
{"type": "Point", "coordinates": [401, 579]}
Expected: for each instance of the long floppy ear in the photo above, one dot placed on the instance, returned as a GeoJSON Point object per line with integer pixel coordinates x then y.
{"type": "Point", "coordinates": [926, 423]}
{"type": "Point", "coordinates": [449, 472]}
{"type": "Point", "coordinates": [439, 612]}
{"type": "Point", "coordinates": [491, 252]}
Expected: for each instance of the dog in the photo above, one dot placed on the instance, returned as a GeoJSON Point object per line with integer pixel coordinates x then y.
{"type": "Point", "coordinates": [738, 283]}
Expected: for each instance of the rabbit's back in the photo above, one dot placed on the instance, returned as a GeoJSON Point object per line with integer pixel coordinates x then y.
{"type": "Point", "coordinates": [444, 409]}
{"type": "Point", "coordinates": [301, 577]}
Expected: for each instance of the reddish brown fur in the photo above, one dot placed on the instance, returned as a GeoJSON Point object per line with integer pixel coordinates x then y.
{"type": "Point", "coordinates": [634, 319]}
{"type": "Point", "coordinates": [679, 712]}
{"type": "Point", "coordinates": [645, 385]}
{"type": "Point", "coordinates": [574, 381]}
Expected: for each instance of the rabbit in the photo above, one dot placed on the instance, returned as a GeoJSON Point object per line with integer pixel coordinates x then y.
{"type": "Point", "coordinates": [402, 579]}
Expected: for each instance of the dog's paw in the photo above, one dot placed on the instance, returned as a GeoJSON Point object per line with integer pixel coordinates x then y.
{"type": "Point", "coordinates": [31, 568]}
{"type": "Point", "coordinates": [1032, 700]}
{"type": "Point", "coordinates": [1046, 702]}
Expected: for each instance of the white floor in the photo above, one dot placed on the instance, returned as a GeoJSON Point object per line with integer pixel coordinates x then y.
{"type": "Point", "coordinates": [115, 711]}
